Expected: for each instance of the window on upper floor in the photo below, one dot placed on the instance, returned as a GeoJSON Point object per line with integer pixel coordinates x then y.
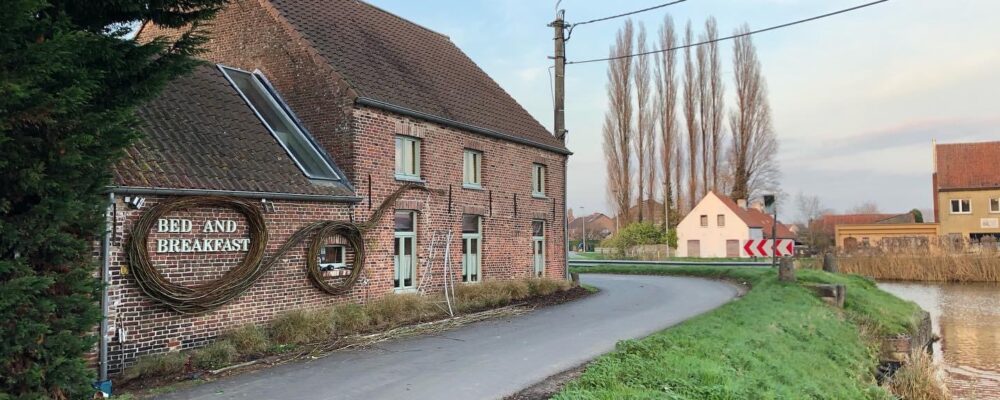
{"type": "Point", "coordinates": [471, 169]}
{"type": "Point", "coordinates": [720, 220]}
{"type": "Point", "coordinates": [704, 220]}
{"type": "Point", "coordinates": [995, 205]}
{"type": "Point", "coordinates": [407, 158]}
{"type": "Point", "coordinates": [538, 180]}
{"type": "Point", "coordinates": [961, 206]}
{"type": "Point", "coordinates": [264, 101]}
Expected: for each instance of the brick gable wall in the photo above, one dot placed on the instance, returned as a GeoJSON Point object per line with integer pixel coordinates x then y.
{"type": "Point", "coordinates": [249, 35]}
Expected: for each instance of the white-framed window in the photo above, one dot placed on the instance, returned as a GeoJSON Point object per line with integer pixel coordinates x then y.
{"type": "Point", "coordinates": [538, 180]}
{"type": "Point", "coordinates": [720, 219]}
{"type": "Point", "coordinates": [472, 168]}
{"type": "Point", "coordinates": [995, 205]}
{"type": "Point", "coordinates": [332, 257]}
{"type": "Point", "coordinates": [961, 206]}
{"type": "Point", "coordinates": [704, 221]}
{"type": "Point", "coordinates": [405, 250]}
{"type": "Point", "coordinates": [264, 101]}
{"type": "Point", "coordinates": [472, 246]}
{"type": "Point", "coordinates": [407, 158]}
{"type": "Point", "coordinates": [538, 246]}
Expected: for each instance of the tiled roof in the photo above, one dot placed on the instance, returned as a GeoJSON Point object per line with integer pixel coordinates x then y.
{"type": "Point", "coordinates": [968, 165]}
{"type": "Point", "coordinates": [200, 134]}
{"type": "Point", "coordinates": [391, 60]}
{"type": "Point", "coordinates": [755, 218]}
{"type": "Point", "coordinates": [828, 223]}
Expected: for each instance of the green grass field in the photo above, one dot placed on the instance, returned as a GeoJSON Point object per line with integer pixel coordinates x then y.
{"type": "Point", "coordinates": [778, 342]}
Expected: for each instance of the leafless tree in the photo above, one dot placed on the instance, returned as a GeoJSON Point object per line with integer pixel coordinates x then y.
{"type": "Point", "coordinates": [645, 145]}
{"type": "Point", "coordinates": [691, 101]}
{"type": "Point", "coordinates": [754, 147]}
{"type": "Point", "coordinates": [810, 211]}
{"type": "Point", "coordinates": [702, 73]}
{"type": "Point", "coordinates": [713, 107]}
{"type": "Point", "coordinates": [867, 207]}
{"type": "Point", "coordinates": [618, 131]}
{"type": "Point", "coordinates": [666, 94]}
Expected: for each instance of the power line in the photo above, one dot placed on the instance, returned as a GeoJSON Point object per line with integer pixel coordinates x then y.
{"type": "Point", "coordinates": [628, 13]}
{"type": "Point", "coordinates": [739, 35]}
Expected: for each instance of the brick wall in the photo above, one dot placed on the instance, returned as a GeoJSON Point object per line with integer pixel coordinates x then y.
{"type": "Point", "coordinates": [153, 328]}
{"type": "Point", "coordinates": [361, 140]}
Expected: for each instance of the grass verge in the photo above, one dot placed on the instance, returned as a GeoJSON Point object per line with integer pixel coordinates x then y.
{"type": "Point", "coordinates": [779, 341]}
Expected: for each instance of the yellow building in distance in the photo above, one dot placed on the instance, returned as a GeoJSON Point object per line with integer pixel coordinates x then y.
{"type": "Point", "coordinates": [967, 190]}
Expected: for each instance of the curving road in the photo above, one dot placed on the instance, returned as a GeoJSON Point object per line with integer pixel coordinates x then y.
{"type": "Point", "coordinates": [489, 359]}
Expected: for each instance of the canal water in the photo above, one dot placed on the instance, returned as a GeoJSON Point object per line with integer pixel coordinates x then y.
{"type": "Point", "coordinates": [967, 318]}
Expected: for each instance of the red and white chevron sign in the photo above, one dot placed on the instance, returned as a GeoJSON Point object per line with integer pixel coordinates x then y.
{"type": "Point", "coordinates": [763, 247]}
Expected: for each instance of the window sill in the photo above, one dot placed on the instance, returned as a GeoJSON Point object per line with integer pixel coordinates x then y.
{"type": "Point", "coordinates": [541, 196]}
{"type": "Point", "coordinates": [472, 186]}
{"type": "Point", "coordinates": [404, 290]}
{"type": "Point", "coordinates": [409, 178]}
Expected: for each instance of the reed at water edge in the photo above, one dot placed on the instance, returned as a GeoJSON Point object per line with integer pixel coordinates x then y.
{"type": "Point", "coordinates": [951, 262]}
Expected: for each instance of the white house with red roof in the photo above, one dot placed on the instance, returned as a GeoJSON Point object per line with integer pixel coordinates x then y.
{"type": "Point", "coordinates": [719, 226]}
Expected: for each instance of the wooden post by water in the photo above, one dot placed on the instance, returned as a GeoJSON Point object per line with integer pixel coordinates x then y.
{"type": "Point", "coordinates": [786, 270]}
{"type": "Point", "coordinates": [829, 263]}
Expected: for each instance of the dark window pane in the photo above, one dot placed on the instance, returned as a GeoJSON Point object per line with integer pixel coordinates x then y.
{"type": "Point", "coordinates": [537, 228]}
{"type": "Point", "coordinates": [404, 221]}
{"type": "Point", "coordinates": [474, 246]}
{"type": "Point", "coordinates": [470, 223]}
{"type": "Point", "coordinates": [408, 246]}
{"type": "Point", "coordinates": [396, 246]}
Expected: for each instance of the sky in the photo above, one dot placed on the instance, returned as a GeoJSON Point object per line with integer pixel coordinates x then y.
{"type": "Point", "coordinates": [857, 98]}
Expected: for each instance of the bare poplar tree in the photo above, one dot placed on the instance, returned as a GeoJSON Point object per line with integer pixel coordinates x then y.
{"type": "Point", "coordinates": [666, 94]}
{"type": "Point", "coordinates": [645, 146]}
{"type": "Point", "coordinates": [715, 91]}
{"type": "Point", "coordinates": [754, 147]}
{"type": "Point", "coordinates": [618, 129]}
{"type": "Point", "coordinates": [702, 70]}
{"type": "Point", "coordinates": [691, 117]}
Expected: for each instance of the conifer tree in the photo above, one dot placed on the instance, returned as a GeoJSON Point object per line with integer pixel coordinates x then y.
{"type": "Point", "coordinates": [70, 79]}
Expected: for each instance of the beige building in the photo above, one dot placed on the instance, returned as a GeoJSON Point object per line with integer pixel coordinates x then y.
{"type": "Point", "coordinates": [718, 227]}
{"type": "Point", "coordinates": [967, 190]}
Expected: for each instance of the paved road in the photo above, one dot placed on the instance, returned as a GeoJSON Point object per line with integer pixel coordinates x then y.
{"type": "Point", "coordinates": [488, 359]}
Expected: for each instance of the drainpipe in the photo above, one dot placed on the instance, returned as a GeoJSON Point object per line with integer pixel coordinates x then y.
{"type": "Point", "coordinates": [105, 281]}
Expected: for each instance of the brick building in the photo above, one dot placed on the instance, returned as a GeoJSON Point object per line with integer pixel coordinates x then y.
{"type": "Point", "coordinates": [318, 111]}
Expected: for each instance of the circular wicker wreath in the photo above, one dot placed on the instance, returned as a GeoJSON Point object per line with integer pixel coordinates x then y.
{"type": "Point", "coordinates": [203, 297]}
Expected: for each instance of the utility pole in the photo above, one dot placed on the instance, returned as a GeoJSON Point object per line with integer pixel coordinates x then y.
{"type": "Point", "coordinates": [559, 125]}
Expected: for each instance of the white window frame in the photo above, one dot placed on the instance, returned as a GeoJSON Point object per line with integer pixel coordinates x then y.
{"type": "Point", "coordinates": [407, 158]}
{"type": "Point", "coordinates": [474, 273]}
{"type": "Point", "coordinates": [720, 220]}
{"type": "Point", "coordinates": [335, 265]}
{"type": "Point", "coordinates": [538, 261]}
{"type": "Point", "coordinates": [997, 202]}
{"type": "Point", "coordinates": [538, 172]}
{"type": "Point", "coordinates": [959, 202]}
{"type": "Point", "coordinates": [399, 281]}
{"type": "Point", "coordinates": [703, 220]}
{"type": "Point", "coordinates": [472, 169]}
{"type": "Point", "coordinates": [260, 84]}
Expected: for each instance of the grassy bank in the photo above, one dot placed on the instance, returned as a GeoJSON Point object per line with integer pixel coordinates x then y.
{"type": "Point", "coordinates": [779, 341]}
{"type": "Point", "coordinates": [944, 266]}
